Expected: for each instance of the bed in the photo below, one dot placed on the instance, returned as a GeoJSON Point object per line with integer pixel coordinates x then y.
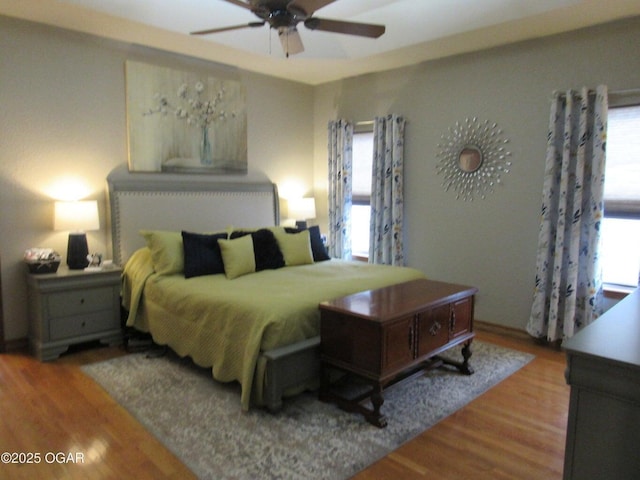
{"type": "Point", "coordinates": [257, 325]}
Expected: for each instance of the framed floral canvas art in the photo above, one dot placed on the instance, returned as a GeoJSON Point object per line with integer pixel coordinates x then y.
{"type": "Point", "coordinates": [181, 121]}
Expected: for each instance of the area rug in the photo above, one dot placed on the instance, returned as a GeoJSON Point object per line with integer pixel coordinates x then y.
{"type": "Point", "coordinates": [201, 422]}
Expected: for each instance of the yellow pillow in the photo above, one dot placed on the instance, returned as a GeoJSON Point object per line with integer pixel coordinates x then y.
{"type": "Point", "coordinates": [166, 250]}
{"type": "Point", "coordinates": [295, 247]}
{"type": "Point", "coordinates": [237, 256]}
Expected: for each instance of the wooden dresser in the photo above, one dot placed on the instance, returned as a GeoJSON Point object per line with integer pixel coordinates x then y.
{"type": "Point", "coordinates": [603, 370]}
{"type": "Point", "coordinates": [385, 335]}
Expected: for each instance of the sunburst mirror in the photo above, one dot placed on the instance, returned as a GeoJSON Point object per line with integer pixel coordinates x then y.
{"type": "Point", "coordinates": [472, 158]}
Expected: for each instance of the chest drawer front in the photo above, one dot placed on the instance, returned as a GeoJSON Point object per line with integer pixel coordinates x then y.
{"type": "Point", "coordinates": [75, 326]}
{"type": "Point", "coordinates": [461, 315]}
{"type": "Point", "coordinates": [398, 344]}
{"type": "Point", "coordinates": [80, 302]}
{"type": "Point", "coordinates": [433, 327]}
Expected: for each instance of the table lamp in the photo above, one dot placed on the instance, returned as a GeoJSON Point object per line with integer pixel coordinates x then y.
{"type": "Point", "coordinates": [302, 209]}
{"type": "Point", "coordinates": [77, 218]}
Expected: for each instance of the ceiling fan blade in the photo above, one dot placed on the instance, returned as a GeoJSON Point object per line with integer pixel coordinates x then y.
{"type": "Point", "coordinates": [309, 6]}
{"type": "Point", "coordinates": [240, 3]}
{"type": "Point", "coordinates": [226, 29]}
{"type": "Point", "coordinates": [290, 41]}
{"type": "Point", "coordinates": [350, 28]}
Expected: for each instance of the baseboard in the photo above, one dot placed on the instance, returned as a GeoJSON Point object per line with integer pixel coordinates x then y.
{"type": "Point", "coordinates": [13, 346]}
{"type": "Point", "coordinates": [500, 330]}
{"type": "Point", "coordinates": [515, 334]}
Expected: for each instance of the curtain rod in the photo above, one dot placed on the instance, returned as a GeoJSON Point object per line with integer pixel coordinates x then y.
{"type": "Point", "coordinates": [622, 93]}
{"type": "Point", "coordinates": [616, 93]}
{"type": "Point", "coordinates": [563, 94]}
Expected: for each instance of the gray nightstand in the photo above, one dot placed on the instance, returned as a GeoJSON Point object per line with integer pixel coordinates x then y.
{"type": "Point", "coordinates": [73, 306]}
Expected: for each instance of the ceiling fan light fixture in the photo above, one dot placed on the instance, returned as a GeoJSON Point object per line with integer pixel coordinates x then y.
{"type": "Point", "coordinates": [290, 40]}
{"type": "Point", "coordinates": [284, 15]}
{"type": "Point", "coordinates": [280, 18]}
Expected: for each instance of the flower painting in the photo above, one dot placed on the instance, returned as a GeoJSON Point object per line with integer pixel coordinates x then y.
{"type": "Point", "coordinates": [182, 121]}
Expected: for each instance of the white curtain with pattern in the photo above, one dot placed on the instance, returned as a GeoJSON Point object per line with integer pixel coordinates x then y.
{"type": "Point", "coordinates": [387, 196]}
{"type": "Point", "coordinates": [568, 289]}
{"type": "Point", "coordinates": [340, 189]}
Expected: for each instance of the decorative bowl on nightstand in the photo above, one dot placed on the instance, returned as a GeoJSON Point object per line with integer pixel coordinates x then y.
{"type": "Point", "coordinates": [43, 267]}
{"type": "Point", "coordinates": [42, 260]}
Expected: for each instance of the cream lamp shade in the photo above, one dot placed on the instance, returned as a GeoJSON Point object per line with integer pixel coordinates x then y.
{"type": "Point", "coordinates": [77, 218]}
{"type": "Point", "coordinates": [302, 209]}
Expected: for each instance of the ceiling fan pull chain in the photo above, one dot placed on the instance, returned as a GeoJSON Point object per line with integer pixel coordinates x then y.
{"type": "Point", "coordinates": [286, 50]}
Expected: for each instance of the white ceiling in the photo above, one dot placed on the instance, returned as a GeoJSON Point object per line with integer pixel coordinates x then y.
{"type": "Point", "coordinates": [416, 30]}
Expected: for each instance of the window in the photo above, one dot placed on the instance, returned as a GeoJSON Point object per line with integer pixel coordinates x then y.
{"type": "Point", "coordinates": [362, 161]}
{"type": "Point", "coordinates": [621, 226]}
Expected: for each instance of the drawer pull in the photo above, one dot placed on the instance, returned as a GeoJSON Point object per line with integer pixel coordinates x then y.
{"type": "Point", "coordinates": [435, 328]}
{"type": "Point", "coordinates": [83, 324]}
{"type": "Point", "coordinates": [453, 320]}
{"type": "Point", "coordinates": [82, 301]}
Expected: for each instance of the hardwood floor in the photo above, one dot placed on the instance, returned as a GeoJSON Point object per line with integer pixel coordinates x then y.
{"type": "Point", "coordinates": [514, 431]}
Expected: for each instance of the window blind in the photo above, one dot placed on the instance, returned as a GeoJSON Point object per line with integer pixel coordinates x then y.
{"type": "Point", "coordinates": [622, 175]}
{"type": "Point", "coordinates": [362, 158]}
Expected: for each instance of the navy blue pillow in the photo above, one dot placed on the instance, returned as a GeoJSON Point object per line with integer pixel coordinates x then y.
{"type": "Point", "coordinates": [202, 254]}
{"type": "Point", "coordinates": [265, 249]}
{"type": "Point", "coordinates": [317, 246]}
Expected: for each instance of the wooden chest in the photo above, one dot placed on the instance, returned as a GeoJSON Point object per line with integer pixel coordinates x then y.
{"type": "Point", "coordinates": [384, 335]}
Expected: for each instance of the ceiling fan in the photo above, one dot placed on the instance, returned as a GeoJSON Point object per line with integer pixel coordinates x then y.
{"type": "Point", "coordinates": [284, 16]}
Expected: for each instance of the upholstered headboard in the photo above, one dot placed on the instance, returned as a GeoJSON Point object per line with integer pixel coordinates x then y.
{"type": "Point", "coordinates": [175, 202]}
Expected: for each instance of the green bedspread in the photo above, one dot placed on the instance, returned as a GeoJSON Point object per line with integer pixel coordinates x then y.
{"type": "Point", "coordinates": [225, 324]}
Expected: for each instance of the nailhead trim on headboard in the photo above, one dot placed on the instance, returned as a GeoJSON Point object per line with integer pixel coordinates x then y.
{"type": "Point", "coordinates": [175, 202]}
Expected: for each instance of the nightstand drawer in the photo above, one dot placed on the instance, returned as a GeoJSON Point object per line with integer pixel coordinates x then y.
{"type": "Point", "coordinates": [80, 302]}
{"type": "Point", "coordinates": [75, 326]}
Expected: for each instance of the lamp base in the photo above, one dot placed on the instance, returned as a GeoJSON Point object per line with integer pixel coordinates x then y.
{"type": "Point", "coordinates": [301, 224]}
{"type": "Point", "coordinates": [77, 251]}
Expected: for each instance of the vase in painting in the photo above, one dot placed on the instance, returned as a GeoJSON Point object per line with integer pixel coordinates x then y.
{"type": "Point", "coordinates": [206, 150]}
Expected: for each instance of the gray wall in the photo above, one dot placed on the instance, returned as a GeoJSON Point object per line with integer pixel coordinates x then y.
{"type": "Point", "coordinates": [488, 243]}
{"type": "Point", "coordinates": [62, 98]}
